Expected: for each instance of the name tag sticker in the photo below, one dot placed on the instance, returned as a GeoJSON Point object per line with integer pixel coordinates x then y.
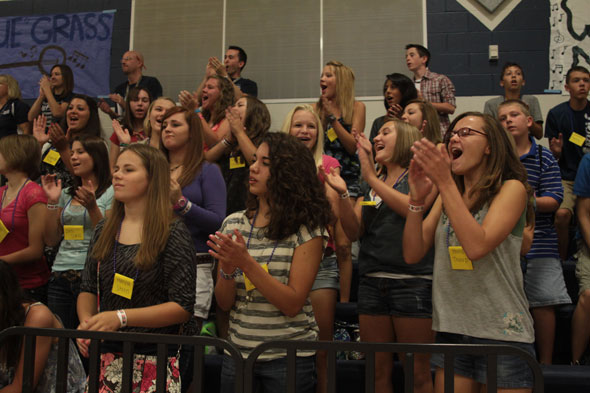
{"type": "Point", "coordinates": [577, 139]}
{"type": "Point", "coordinates": [248, 283]}
{"type": "Point", "coordinates": [52, 157]}
{"type": "Point", "coordinates": [459, 260]}
{"type": "Point", "coordinates": [368, 203]}
{"type": "Point", "coordinates": [73, 232]}
{"type": "Point", "coordinates": [332, 136]}
{"type": "Point", "coordinates": [123, 286]}
{"type": "Point", "coordinates": [236, 162]}
{"type": "Point", "coordinates": [3, 231]}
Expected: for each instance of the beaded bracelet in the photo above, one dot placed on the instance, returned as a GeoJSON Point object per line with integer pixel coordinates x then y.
{"type": "Point", "coordinates": [231, 276]}
{"type": "Point", "coordinates": [52, 206]}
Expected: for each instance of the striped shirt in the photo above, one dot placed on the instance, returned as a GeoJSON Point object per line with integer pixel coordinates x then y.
{"type": "Point", "coordinates": [253, 319]}
{"type": "Point", "coordinates": [545, 179]}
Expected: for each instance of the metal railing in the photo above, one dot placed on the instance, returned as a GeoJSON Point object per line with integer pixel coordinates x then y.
{"type": "Point", "coordinates": [244, 376]}
{"type": "Point", "coordinates": [162, 341]}
{"type": "Point", "coordinates": [369, 349]}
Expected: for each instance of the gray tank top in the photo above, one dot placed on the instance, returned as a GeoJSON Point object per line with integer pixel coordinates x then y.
{"type": "Point", "coordinates": [488, 301]}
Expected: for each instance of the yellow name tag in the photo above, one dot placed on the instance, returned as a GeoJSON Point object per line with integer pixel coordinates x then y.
{"type": "Point", "coordinates": [248, 283]}
{"type": "Point", "coordinates": [236, 162]}
{"type": "Point", "coordinates": [52, 157]}
{"type": "Point", "coordinates": [73, 232]}
{"type": "Point", "coordinates": [122, 286]}
{"type": "Point", "coordinates": [577, 139]}
{"type": "Point", "coordinates": [368, 203]}
{"type": "Point", "coordinates": [3, 231]}
{"type": "Point", "coordinates": [459, 260]}
{"type": "Point", "coordinates": [332, 136]}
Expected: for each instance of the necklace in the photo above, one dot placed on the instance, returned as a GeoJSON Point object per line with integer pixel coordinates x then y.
{"type": "Point", "coordinates": [249, 296]}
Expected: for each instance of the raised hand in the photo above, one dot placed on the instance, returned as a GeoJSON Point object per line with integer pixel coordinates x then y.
{"type": "Point", "coordinates": [58, 139]}
{"type": "Point", "coordinates": [434, 161]}
{"type": "Point", "coordinates": [218, 66]}
{"type": "Point", "coordinates": [188, 100]}
{"type": "Point", "coordinates": [227, 250]}
{"type": "Point", "coordinates": [122, 133]}
{"type": "Point", "coordinates": [331, 107]}
{"type": "Point", "coordinates": [85, 195]}
{"type": "Point", "coordinates": [52, 187]}
{"type": "Point", "coordinates": [117, 99]}
{"type": "Point", "coordinates": [39, 125]}
{"type": "Point", "coordinates": [175, 190]}
{"type": "Point", "coordinates": [365, 154]}
{"type": "Point", "coordinates": [420, 184]}
{"type": "Point", "coordinates": [334, 180]}
{"type": "Point", "coordinates": [556, 145]}
{"type": "Point", "coordinates": [233, 118]}
{"type": "Point", "coordinates": [45, 85]}
{"type": "Point", "coordinates": [395, 111]}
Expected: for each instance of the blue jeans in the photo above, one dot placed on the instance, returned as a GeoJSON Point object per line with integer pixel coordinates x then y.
{"type": "Point", "coordinates": [62, 295]}
{"type": "Point", "coordinates": [271, 376]}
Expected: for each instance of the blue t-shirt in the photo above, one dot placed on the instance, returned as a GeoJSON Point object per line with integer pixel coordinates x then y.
{"type": "Point", "coordinates": [582, 183]}
{"type": "Point", "coordinates": [545, 179]}
{"type": "Point", "coordinates": [563, 119]}
{"type": "Point", "coordinates": [72, 253]}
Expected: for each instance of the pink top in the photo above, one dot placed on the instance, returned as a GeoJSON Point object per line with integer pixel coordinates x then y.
{"type": "Point", "coordinates": [33, 274]}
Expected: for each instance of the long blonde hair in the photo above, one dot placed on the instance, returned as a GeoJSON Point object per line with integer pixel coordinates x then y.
{"type": "Point", "coordinates": [344, 92]}
{"type": "Point", "coordinates": [158, 213]}
{"type": "Point", "coordinates": [318, 149]}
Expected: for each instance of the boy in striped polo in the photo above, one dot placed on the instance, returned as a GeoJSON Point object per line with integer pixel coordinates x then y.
{"type": "Point", "coordinates": [543, 278]}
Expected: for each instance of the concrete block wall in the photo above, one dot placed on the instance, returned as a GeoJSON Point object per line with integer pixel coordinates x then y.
{"type": "Point", "coordinates": [459, 46]}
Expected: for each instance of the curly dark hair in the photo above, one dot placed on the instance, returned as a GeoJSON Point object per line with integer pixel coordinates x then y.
{"type": "Point", "coordinates": [296, 194]}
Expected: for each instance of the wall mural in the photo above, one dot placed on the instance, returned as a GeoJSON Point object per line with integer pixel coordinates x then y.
{"type": "Point", "coordinates": [570, 39]}
{"type": "Point", "coordinates": [31, 45]}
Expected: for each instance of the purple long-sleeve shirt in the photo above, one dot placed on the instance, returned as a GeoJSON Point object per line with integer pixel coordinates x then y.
{"type": "Point", "coordinates": [207, 195]}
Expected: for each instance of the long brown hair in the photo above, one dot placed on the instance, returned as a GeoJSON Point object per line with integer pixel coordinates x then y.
{"type": "Point", "coordinates": [158, 212]}
{"type": "Point", "coordinates": [501, 164]}
{"type": "Point", "coordinates": [344, 92]}
{"type": "Point", "coordinates": [194, 157]}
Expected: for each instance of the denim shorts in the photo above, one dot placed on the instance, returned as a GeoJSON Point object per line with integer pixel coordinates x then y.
{"type": "Point", "coordinates": [544, 284]}
{"type": "Point", "coordinates": [513, 371]}
{"type": "Point", "coordinates": [327, 276]}
{"type": "Point", "coordinates": [408, 297]}
{"type": "Point", "coordinates": [271, 376]}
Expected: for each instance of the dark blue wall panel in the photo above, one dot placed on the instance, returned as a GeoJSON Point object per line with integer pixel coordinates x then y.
{"type": "Point", "coordinates": [459, 46]}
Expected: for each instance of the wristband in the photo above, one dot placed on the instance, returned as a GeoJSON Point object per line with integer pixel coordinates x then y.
{"type": "Point", "coordinates": [231, 276]}
{"type": "Point", "coordinates": [123, 145]}
{"type": "Point", "coordinates": [187, 208]}
{"type": "Point", "coordinates": [415, 208]}
{"type": "Point", "coordinates": [52, 206]}
{"type": "Point", "coordinates": [122, 317]}
{"type": "Point", "coordinates": [345, 195]}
